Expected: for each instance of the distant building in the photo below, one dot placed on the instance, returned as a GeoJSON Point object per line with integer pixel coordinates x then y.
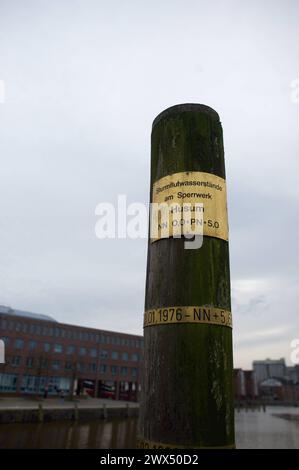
{"type": "Point", "coordinates": [239, 384]}
{"type": "Point", "coordinates": [251, 388]}
{"type": "Point", "coordinates": [279, 390]}
{"type": "Point", "coordinates": [269, 368]}
{"type": "Point", "coordinates": [245, 385]}
{"type": "Point", "coordinates": [43, 356]}
{"type": "Point", "coordinates": [292, 373]}
{"type": "Point", "coordinates": [271, 389]}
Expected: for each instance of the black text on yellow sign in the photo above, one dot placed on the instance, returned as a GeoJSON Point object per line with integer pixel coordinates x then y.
{"type": "Point", "coordinates": [180, 315]}
{"type": "Point", "coordinates": [183, 193]}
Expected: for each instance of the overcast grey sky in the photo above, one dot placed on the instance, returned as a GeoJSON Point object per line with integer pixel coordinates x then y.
{"type": "Point", "coordinates": [83, 81]}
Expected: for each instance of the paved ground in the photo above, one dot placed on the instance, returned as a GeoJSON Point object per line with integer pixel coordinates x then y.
{"type": "Point", "coordinates": [8, 403]}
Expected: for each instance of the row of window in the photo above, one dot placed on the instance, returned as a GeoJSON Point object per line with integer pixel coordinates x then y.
{"type": "Point", "coordinates": [73, 334]}
{"type": "Point", "coordinates": [30, 384]}
{"type": "Point", "coordinates": [33, 384]}
{"type": "Point", "coordinates": [71, 349]}
{"type": "Point", "coordinates": [8, 382]}
{"type": "Point", "coordinates": [43, 363]}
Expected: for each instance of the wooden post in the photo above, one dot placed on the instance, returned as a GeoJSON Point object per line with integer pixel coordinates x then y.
{"type": "Point", "coordinates": [105, 411]}
{"type": "Point", "coordinates": [40, 413]}
{"type": "Point", "coordinates": [187, 393]}
{"type": "Point", "coordinates": [76, 412]}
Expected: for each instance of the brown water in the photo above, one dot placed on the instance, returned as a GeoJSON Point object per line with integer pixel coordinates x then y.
{"type": "Point", "coordinates": [254, 430]}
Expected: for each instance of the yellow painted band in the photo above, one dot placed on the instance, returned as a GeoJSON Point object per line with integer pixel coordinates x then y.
{"type": "Point", "coordinates": [180, 315]}
{"type": "Point", "coordinates": [147, 444]}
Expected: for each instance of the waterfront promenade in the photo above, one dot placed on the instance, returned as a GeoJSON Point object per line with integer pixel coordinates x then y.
{"type": "Point", "coordinates": [19, 409]}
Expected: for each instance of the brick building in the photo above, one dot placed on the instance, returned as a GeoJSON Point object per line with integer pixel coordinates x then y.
{"type": "Point", "coordinates": [239, 384]}
{"type": "Point", "coordinates": [279, 390]}
{"type": "Point", "coordinates": [251, 388]}
{"type": "Point", "coordinates": [245, 385]}
{"type": "Point", "coordinates": [45, 356]}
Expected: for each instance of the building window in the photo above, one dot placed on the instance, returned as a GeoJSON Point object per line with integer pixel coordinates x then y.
{"type": "Point", "coordinates": [47, 347]}
{"type": "Point", "coordinates": [103, 368]}
{"type": "Point", "coordinates": [68, 366]}
{"type": "Point", "coordinates": [8, 382]}
{"type": "Point", "coordinates": [3, 324]}
{"type": "Point", "coordinates": [64, 383]}
{"type": "Point", "coordinates": [93, 352]}
{"type": "Point", "coordinates": [135, 357]}
{"type": "Point", "coordinates": [6, 340]}
{"type": "Point", "coordinates": [29, 384]}
{"type": "Point", "coordinates": [103, 354]}
{"type": "Point", "coordinates": [19, 343]}
{"type": "Point", "coordinates": [134, 372]}
{"type": "Point", "coordinates": [58, 348]}
{"type": "Point", "coordinates": [114, 355]}
{"type": "Point", "coordinates": [124, 371]}
{"type": "Point", "coordinates": [44, 363]}
{"type": "Point", "coordinates": [125, 356]}
{"type": "Point", "coordinates": [32, 345]}
{"type": "Point", "coordinates": [38, 329]}
{"type": "Point", "coordinates": [15, 361]}
{"type": "Point", "coordinates": [35, 384]}
{"type": "Point", "coordinates": [18, 326]}
{"type": "Point", "coordinates": [82, 351]}
{"type": "Point", "coordinates": [55, 365]}
{"type": "Point", "coordinates": [81, 366]}
{"type": "Point", "coordinates": [56, 332]}
{"type": "Point", "coordinates": [114, 370]}
{"type": "Point", "coordinates": [71, 349]}
{"type": "Point", "coordinates": [29, 361]}
{"type": "Point", "coordinates": [32, 329]}
{"type": "Point", "coordinates": [93, 367]}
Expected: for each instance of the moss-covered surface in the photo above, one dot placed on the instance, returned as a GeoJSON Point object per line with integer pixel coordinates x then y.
{"type": "Point", "coordinates": [187, 385]}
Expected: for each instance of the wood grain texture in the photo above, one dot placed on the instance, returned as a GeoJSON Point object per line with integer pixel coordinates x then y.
{"type": "Point", "coordinates": [187, 396]}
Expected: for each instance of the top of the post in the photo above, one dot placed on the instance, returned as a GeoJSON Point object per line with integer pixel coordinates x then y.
{"type": "Point", "coordinates": [187, 107]}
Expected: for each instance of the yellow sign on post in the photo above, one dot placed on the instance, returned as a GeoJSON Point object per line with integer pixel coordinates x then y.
{"type": "Point", "coordinates": [183, 193]}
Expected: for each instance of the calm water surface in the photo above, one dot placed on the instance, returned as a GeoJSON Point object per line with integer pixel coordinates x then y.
{"type": "Point", "coordinates": [254, 430]}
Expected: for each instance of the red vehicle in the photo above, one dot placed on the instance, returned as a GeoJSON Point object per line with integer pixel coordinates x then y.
{"type": "Point", "coordinates": [107, 391]}
{"type": "Point", "coordinates": [88, 387]}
